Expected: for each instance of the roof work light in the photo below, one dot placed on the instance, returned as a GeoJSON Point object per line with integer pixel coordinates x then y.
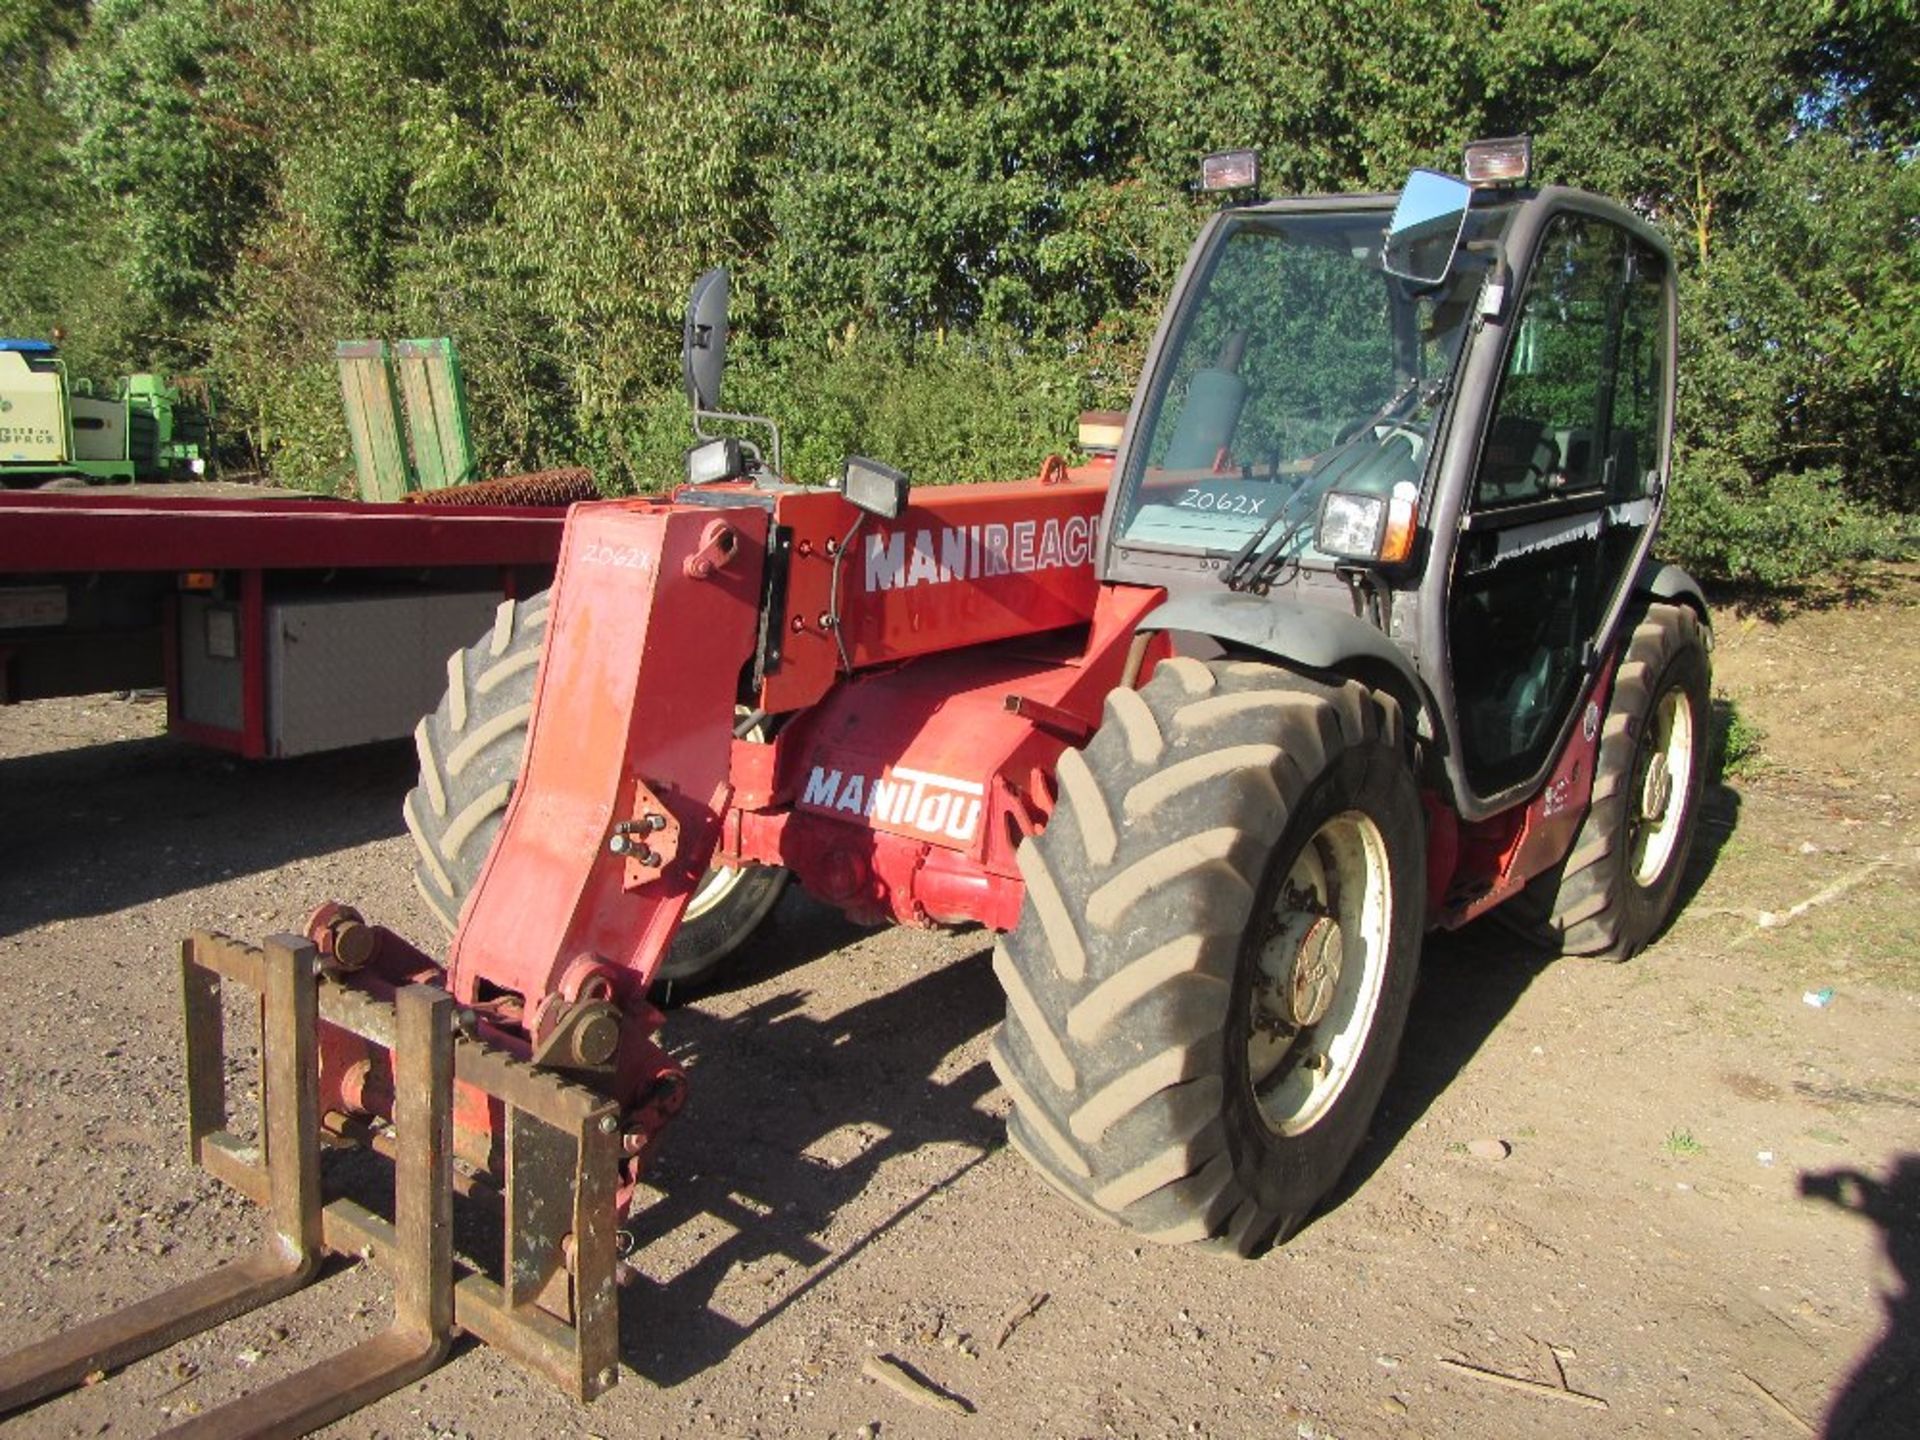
{"type": "Point", "coordinates": [1507, 161]}
{"type": "Point", "coordinates": [1230, 170]}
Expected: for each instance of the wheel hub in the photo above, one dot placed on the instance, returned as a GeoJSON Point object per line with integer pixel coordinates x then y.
{"type": "Point", "coordinates": [1657, 790]}
{"type": "Point", "coordinates": [1315, 971]}
{"type": "Point", "coordinates": [1319, 973]}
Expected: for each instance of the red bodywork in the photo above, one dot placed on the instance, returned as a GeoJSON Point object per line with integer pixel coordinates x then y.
{"type": "Point", "coordinates": [125, 529]}
{"type": "Point", "coordinates": [977, 594]}
{"type": "Point", "coordinates": [1473, 867]}
{"type": "Point", "coordinates": [920, 679]}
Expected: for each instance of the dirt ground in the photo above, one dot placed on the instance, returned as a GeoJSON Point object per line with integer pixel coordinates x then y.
{"type": "Point", "coordinates": [1707, 1222]}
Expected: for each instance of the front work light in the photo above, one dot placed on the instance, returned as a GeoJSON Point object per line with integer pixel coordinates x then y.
{"type": "Point", "coordinates": [1230, 170]}
{"type": "Point", "coordinates": [715, 460]}
{"type": "Point", "coordinates": [1500, 162]}
{"type": "Point", "coordinates": [878, 489]}
{"type": "Point", "coordinates": [1369, 529]}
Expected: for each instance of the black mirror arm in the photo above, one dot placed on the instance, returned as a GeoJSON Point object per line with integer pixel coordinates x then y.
{"type": "Point", "coordinates": [729, 417]}
{"type": "Point", "coordinates": [1493, 295]}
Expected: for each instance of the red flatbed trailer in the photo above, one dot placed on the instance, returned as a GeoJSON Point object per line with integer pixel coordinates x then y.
{"type": "Point", "coordinates": [278, 626]}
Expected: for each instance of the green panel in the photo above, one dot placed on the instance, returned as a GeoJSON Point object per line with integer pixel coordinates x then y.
{"type": "Point", "coordinates": [373, 419]}
{"type": "Point", "coordinates": [436, 404]}
{"type": "Point", "coordinates": [172, 426]}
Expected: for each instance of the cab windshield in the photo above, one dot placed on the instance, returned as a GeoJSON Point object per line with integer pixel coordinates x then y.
{"type": "Point", "coordinates": [1297, 366]}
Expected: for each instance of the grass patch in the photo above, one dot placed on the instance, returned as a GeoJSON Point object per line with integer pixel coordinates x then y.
{"type": "Point", "coordinates": [1733, 743]}
{"type": "Point", "coordinates": [1681, 1142]}
{"type": "Point", "coordinates": [1873, 934]}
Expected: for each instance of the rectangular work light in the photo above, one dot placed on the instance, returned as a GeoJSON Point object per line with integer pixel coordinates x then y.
{"type": "Point", "coordinates": [1230, 170]}
{"type": "Point", "coordinates": [1508, 161]}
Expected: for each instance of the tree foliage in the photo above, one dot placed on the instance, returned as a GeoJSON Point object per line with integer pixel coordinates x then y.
{"type": "Point", "coordinates": [951, 226]}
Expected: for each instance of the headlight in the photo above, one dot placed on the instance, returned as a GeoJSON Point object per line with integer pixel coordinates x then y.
{"type": "Point", "coordinates": [1372, 529]}
{"type": "Point", "coordinates": [875, 488]}
{"type": "Point", "coordinates": [1507, 161]}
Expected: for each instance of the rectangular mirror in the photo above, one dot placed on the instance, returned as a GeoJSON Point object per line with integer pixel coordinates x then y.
{"type": "Point", "coordinates": [1426, 226]}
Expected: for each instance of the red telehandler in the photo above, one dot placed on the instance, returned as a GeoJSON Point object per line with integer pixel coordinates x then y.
{"type": "Point", "coordinates": [1357, 635]}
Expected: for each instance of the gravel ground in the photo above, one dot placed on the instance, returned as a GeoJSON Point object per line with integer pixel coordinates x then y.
{"type": "Point", "coordinates": [1703, 1221]}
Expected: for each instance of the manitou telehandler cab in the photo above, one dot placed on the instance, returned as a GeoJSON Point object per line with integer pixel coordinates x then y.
{"type": "Point", "coordinates": [1357, 634]}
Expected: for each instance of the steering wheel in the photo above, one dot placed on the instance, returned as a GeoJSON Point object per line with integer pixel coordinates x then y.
{"type": "Point", "coordinates": [1351, 431]}
{"type": "Point", "coordinates": [1543, 467]}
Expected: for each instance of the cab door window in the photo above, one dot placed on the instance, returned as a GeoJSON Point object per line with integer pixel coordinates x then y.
{"type": "Point", "coordinates": [1561, 497]}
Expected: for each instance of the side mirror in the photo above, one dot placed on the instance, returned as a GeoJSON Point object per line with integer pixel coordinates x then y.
{"type": "Point", "coordinates": [878, 489]}
{"type": "Point", "coordinates": [1426, 226]}
{"type": "Point", "coordinates": [703, 345]}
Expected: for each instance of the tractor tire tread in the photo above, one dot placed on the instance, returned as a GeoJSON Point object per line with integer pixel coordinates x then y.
{"type": "Point", "coordinates": [469, 751]}
{"type": "Point", "coordinates": [1123, 964]}
{"type": "Point", "coordinates": [1583, 906]}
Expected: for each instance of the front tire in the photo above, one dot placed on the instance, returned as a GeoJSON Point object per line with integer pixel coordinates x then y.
{"type": "Point", "coordinates": [1216, 954]}
{"type": "Point", "coordinates": [470, 752]}
{"type": "Point", "coordinates": [1620, 880]}
{"type": "Point", "coordinates": [727, 907]}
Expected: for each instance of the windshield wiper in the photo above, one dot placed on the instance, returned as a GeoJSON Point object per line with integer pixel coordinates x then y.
{"type": "Point", "coordinates": [1408, 391]}
{"type": "Point", "coordinates": [1257, 564]}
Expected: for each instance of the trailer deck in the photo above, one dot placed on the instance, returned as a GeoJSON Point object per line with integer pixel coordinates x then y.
{"type": "Point", "coordinates": [277, 624]}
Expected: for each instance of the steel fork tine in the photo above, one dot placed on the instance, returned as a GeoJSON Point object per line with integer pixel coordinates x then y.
{"type": "Point", "coordinates": [290, 1255]}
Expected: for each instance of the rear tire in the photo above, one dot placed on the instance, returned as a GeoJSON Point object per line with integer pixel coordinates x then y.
{"type": "Point", "coordinates": [1216, 953]}
{"type": "Point", "coordinates": [1618, 884]}
{"type": "Point", "coordinates": [470, 752]}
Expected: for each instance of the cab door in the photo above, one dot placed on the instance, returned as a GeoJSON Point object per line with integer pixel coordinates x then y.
{"type": "Point", "coordinates": [1563, 494]}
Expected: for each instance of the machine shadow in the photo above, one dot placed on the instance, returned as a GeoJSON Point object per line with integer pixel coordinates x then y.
{"type": "Point", "coordinates": [1881, 1398]}
{"type": "Point", "coordinates": [800, 930]}
{"type": "Point", "coordinates": [1719, 803]}
{"type": "Point", "coordinates": [106, 827]}
{"type": "Point", "coordinates": [1470, 979]}
{"type": "Point", "coordinates": [789, 1120]}
{"type": "Point", "coordinates": [1719, 819]}
{"type": "Point", "coordinates": [772, 1081]}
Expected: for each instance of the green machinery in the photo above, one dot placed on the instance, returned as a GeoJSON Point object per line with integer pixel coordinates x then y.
{"type": "Point", "coordinates": [406, 407]}
{"type": "Point", "coordinates": [54, 428]}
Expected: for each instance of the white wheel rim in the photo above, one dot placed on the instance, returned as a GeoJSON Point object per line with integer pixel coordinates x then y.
{"type": "Point", "coordinates": [1662, 777]}
{"type": "Point", "coordinates": [1320, 972]}
{"type": "Point", "coordinates": [720, 881]}
{"type": "Point", "coordinates": [714, 887]}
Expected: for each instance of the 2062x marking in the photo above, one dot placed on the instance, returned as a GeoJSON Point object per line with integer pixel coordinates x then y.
{"type": "Point", "coordinates": [1228, 503]}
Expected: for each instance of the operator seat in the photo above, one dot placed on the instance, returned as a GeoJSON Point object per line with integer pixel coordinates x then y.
{"type": "Point", "coordinates": [1517, 464]}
